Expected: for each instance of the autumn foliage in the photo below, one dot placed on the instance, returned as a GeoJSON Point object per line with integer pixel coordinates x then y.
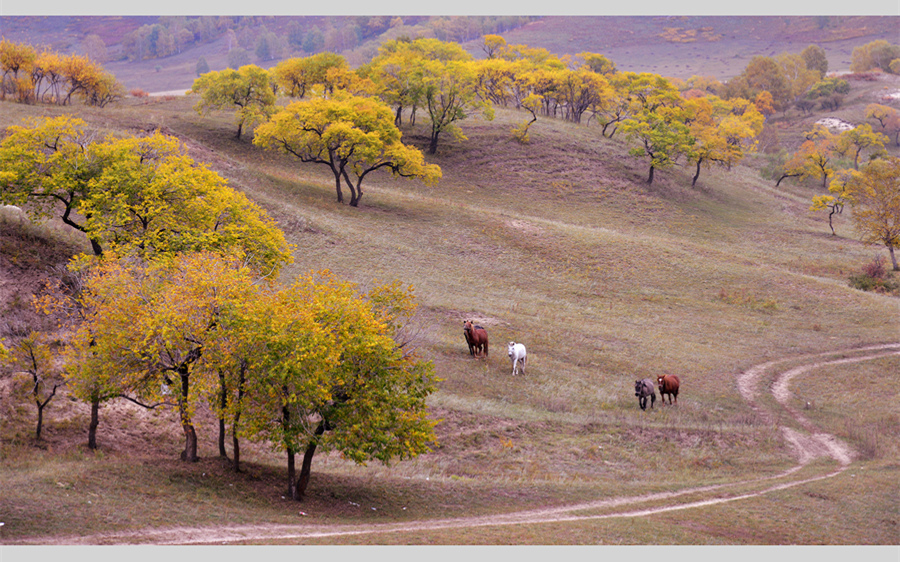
{"type": "Point", "coordinates": [31, 76]}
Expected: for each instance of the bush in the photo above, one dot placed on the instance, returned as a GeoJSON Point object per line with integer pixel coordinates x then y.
{"type": "Point", "coordinates": [875, 277]}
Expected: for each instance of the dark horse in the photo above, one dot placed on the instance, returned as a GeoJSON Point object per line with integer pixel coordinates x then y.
{"type": "Point", "coordinates": [668, 384]}
{"type": "Point", "coordinates": [476, 337]}
{"type": "Point", "coordinates": [642, 389]}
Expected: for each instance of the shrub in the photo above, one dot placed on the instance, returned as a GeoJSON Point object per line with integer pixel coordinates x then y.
{"type": "Point", "coordinates": [875, 277]}
{"type": "Point", "coordinates": [138, 93]}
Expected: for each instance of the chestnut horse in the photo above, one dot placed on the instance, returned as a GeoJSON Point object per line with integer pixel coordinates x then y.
{"type": "Point", "coordinates": [668, 384]}
{"type": "Point", "coordinates": [476, 337]}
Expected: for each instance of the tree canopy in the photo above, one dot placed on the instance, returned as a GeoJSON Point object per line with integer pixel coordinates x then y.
{"type": "Point", "coordinates": [247, 88]}
{"type": "Point", "coordinates": [352, 135]}
{"type": "Point", "coordinates": [135, 195]}
{"type": "Point", "coordinates": [874, 195]}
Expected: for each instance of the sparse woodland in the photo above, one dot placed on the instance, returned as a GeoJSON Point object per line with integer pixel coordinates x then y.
{"type": "Point", "coordinates": [621, 223]}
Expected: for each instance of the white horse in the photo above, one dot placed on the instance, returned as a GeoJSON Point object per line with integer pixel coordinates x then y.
{"type": "Point", "coordinates": [517, 353]}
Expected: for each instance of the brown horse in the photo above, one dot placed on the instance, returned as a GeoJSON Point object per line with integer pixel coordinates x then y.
{"type": "Point", "coordinates": [476, 337]}
{"type": "Point", "coordinates": [668, 384]}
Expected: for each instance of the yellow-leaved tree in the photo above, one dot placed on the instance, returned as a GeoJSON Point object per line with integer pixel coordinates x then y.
{"type": "Point", "coordinates": [312, 365]}
{"type": "Point", "coordinates": [247, 89]}
{"type": "Point", "coordinates": [148, 327]}
{"type": "Point", "coordinates": [354, 136]}
{"type": "Point", "coordinates": [723, 130]}
{"type": "Point", "coordinates": [874, 196]}
{"type": "Point", "coordinates": [337, 374]}
{"type": "Point", "coordinates": [144, 196]}
{"type": "Point", "coordinates": [814, 158]}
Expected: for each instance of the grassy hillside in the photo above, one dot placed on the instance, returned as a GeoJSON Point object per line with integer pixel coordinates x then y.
{"type": "Point", "coordinates": [558, 244]}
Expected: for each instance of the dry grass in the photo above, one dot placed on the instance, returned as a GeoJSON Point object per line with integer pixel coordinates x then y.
{"type": "Point", "coordinates": [558, 244]}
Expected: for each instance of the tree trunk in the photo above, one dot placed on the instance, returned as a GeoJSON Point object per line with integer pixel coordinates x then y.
{"type": "Point", "coordinates": [650, 178]}
{"type": "Point", "coordinates": [95, 246]}
{"type": "Point", "coordinates": [890, 248]}
{"type": "Point", "coordinates": [306, 468]}
{"type": "Point", "coordinates": [190, 436]}
{"type": "Point", "coordinates": [337, 186]}
{"type": "Point", "coordinates": [190, 444]}
{"type": "Point", "coordinates": [432, 146]}
{"type": "Point", "coordinates": [398, 117]}
{"type": "Point", "coordinates": [292, 484]}
{"type": "Point", "coordinates": [95, 421]}
{"type": "Point", "coordinates": [40, 419]}
{"type": "Point", "coordinates": [697, 175]}
{"type": "Point", "coordinates": [223, 402]}
{"type": "Point", "coordinates": [240, 129]}
{"type": "Point", "coordinates": [236, 446]}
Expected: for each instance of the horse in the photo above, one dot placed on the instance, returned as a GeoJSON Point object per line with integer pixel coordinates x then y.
{"type": "Point", "coordinates": [642, 389]}
{"type": "Point", "coordinates": [476, 338]}
{"type": "Point", "coordinates": [517, 353]}
{"type": "Point", "coordinates": [668, 384]}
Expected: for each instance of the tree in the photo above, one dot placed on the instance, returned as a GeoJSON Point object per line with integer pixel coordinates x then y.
{"type": "Point", "coordinates": [762, 74]}
{"type": "Point", "coordinates": [138, 196]}
{"type": "Point", "coordinates": [876, 54]}
{"type": "Point", "coordinates": [398, 72]}
{"type": "Point", "coordinates": [153, 199]}
{"type": "Point", "coordinates": [834, 203]}
{"type": "Point", "coordinates": [202, 66]}
{"type": "Point", "coordinates": [581, 90]}
{"type": "Point", "coordinates": [598, 63]}
{"type": "Point", "coordinates": [858, 139]}
{"type": "Point", "coordinates": [298, 75]}
{"type": "Point", "coordinates": [338, 378]}
{"type": "Point", "coordinates": [814, 158]}
{"type": "Point", "coordinates": [491, 44]}
{"type": "Point", "coordinates": [32, 358]}
{"type": "Point", "coordinates": [662, 136]}
{"type": "Point", "coordinates": [314, 40]}
{"type": "Point", "coordinates": [815, 59]}
{"type": "Point", "coordinates": [99, 365]}
{"type": "Point", "coordinates": [887, 117]}
{"type": "Point", "coordinates": [797, 75]}
{"type": "Point", "coordinates": [353, 136]}
{"type": "Point", "coordinates": [450, 94]}
{"type": "Point", "coordinates": [247, 88]}
{"type": "Point", "coordinates": [657, 122]}
{"type": "Point", "coordinates": [16, 62]}
{"type": "Point", "coordinates": [722, 130]}
{"type": "Point", "coordinates": [874, 195]}
{"type": "Point", "coordinates": [95, 48]}
{"type": "Point", "coordinates": [149, 326]}
{"type": "Point", "coordinates": [50, 163]}
{"type": "Point", "coordinates": [532, 104]}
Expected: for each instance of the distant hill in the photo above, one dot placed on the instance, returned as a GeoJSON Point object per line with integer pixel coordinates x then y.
{"type": "Point", "coordinates": [676, 46]}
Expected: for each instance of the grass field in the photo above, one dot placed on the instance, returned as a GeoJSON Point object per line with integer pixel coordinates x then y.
{"type": "Point", "coordinates": [558, 244]}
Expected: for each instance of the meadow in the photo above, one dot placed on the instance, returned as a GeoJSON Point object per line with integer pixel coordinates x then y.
{"type": "Point", "coordinates": [558, 244]}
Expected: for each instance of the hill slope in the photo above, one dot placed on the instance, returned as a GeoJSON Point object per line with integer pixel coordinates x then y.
{"type": "Point", "coordinates": [558, 244]}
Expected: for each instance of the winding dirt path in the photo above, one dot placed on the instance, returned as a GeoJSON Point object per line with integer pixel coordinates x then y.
{"type": "Point", "coordinates": [808, 443]}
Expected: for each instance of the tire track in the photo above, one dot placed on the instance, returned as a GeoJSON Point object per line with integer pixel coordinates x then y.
{"type": "Point", "coordinates": [808, 445]}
